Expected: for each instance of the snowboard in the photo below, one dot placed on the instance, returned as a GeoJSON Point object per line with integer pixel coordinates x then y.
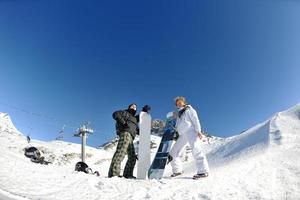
{"type": "Point", "coordinates": [158, 165]}
{"type": "Point", "coordinates": [144, 158]}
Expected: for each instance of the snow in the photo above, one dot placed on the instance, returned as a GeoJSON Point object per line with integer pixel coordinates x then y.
{"type": "Point", "coordinates": [261, 163]}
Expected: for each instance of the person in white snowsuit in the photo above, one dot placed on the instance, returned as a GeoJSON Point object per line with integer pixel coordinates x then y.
{"type": "Point", "coordinates": [189, 130]}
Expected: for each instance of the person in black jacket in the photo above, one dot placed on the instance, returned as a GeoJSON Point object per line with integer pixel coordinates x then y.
{"type": "Point", "coordinates": [127, 128]}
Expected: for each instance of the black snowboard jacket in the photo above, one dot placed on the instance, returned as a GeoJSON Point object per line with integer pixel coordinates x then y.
{"type": "Point", "coordinates": [126, 122]}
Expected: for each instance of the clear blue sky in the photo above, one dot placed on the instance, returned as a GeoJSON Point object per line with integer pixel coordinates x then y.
{"type": "Point", "coordinates": [236, 61]}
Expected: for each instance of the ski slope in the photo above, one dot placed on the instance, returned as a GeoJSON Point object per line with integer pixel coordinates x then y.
{"type": "Point", "coordinates": [261, 163]}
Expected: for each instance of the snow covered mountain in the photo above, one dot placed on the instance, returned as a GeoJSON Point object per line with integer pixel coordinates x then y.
{"type": "Point", "coordinates": [261, 163]}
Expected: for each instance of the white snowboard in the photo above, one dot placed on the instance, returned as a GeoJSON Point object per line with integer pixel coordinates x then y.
{"type": "Point", "coordinates": [144, 146]}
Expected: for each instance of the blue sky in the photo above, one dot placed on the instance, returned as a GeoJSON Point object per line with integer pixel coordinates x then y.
{"type": "Point", "coordinates": [236, 61]}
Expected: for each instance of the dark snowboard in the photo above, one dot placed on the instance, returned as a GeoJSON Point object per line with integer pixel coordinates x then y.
{"type": "Point", "coordinates": [158, 165]}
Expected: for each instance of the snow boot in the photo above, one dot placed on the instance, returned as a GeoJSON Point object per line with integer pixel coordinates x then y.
{"type": "Point", "coordinates": [130, 177]}
{"type": "Point", "coordinates": [176, 174]}
{"type": "Point", "coordinates": [198, 176]}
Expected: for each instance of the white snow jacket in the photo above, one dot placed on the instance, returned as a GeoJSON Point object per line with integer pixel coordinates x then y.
{"type": "Point", "coordinates": [188, 122]}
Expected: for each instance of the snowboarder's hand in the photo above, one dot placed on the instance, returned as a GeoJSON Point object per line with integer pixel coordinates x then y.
{"type": "Point", "coordinates": [146, 108]}
{"type": "Point", "coordinates": [176, 136]}
{"type": "Point", "coordinates": [200, 135]}
{"type": "Point", "coordinates": [122, 121]}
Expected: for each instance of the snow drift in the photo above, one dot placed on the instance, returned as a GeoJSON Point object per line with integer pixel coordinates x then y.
{"type": "Point", "coordinates": [281, 129]}
{"type": "Point", "coordinates": [261, 163]}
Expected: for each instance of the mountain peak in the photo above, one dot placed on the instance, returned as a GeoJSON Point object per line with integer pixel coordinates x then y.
{"type": "Point", "coordinates": [6, 125]}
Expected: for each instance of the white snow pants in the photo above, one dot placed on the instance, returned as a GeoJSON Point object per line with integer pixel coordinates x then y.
{"type": "Point", "coordinates": [194, 141]}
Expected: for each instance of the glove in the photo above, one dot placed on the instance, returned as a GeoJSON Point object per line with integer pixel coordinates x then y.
{"type": "Point", "coordinates": [146, 108]}
{"type": "Point", "coordinates": [170, 158]}
{"type": "Point", "coordinates": [176, 136]}
{"type": "Point", "coordinates": [122, 121]}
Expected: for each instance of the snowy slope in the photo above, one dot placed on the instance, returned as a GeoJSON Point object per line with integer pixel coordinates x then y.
{"type": "Point", "coordinates": [261, 163]}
